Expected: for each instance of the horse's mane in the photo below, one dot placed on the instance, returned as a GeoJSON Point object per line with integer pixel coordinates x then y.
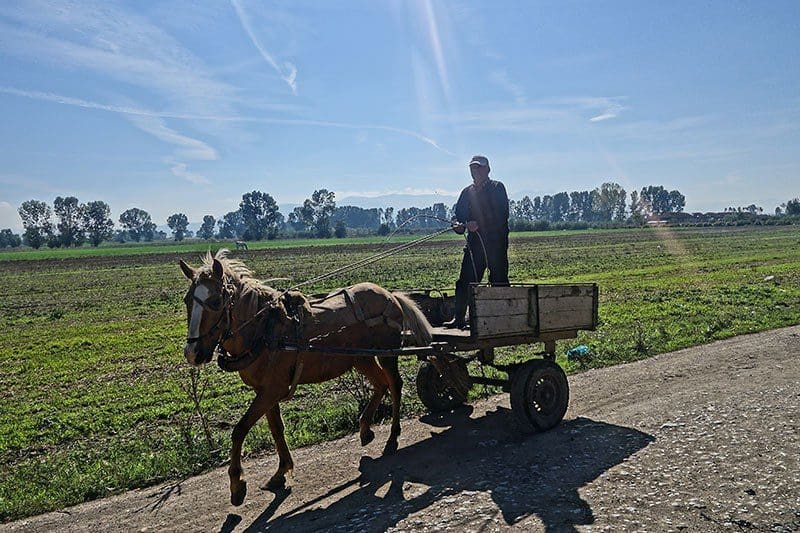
{"type": "Point", "coordinates": [238, 271]}
{"type": "Point", "coordinates": [251, 290]}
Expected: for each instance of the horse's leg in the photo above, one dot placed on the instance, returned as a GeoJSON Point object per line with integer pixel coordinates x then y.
{"type": "Point", "coordinates": [375, 376]}
{"type": "Point", "coordinates": [392, 373]}
{"type": "Point", "coordinates": [256, 410]}
{"type": "Point", "coordinates": [285, 463]}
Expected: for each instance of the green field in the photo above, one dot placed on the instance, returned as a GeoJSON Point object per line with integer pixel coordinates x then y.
{"type": "Point", "coordinates": [92, 386]}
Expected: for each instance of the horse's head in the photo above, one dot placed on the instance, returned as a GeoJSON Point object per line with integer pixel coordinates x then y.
{"type": "Point", "coordinates": [208, 303]}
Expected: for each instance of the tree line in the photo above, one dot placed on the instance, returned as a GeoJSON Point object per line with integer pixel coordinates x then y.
{"type": "Point", "coordinates": [607, 203]}
{"type": "Point", "coordinates": [71, 223]}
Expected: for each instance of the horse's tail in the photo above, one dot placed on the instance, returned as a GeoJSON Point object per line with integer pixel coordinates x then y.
{"type": "Point", "coordinates": [414, 320]}
{"type": "Point", "coordinates": [451, 369]}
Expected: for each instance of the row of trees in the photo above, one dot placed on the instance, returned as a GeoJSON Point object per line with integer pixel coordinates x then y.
{"type": "Point", "coordinates": [75, 222]}
{"type": "Point", "coordinates": [791, 208]}
{"type": "Point", "coordinates": [71, 223]}
{"type": "Point", "coordinates": [607, 203]}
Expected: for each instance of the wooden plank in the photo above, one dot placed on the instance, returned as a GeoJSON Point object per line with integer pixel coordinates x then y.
{"type": "Point", "coordinates": [566, 307]}
{"type": "Point", "coordinates": [501, 325]}
{"type": "Point", "coordinates": [503, 307]}
{"type": "Point", "coordinates": [572, 319]}
{"type": "Point", "coordinates": [561, 291]}
{"type": "Point", "coordinates": [552, 305]}
{"type": "Point", "coordinates": [483, 292]}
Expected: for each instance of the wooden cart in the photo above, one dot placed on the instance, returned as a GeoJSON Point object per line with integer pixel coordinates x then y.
{"type": "Point", "coordinates": [507, 316]}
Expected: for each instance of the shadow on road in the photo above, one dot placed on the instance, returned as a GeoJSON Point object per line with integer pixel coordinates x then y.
{"type": "Point", "coordinates": [539, 475]}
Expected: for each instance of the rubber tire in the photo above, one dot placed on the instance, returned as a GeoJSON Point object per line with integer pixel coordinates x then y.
{"type": "Point", "coordinates": [434, 393]}
{"type": "Point", "coordinates": [539, 396]}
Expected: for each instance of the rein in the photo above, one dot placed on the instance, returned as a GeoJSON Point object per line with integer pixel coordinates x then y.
{"type": "Point", "coordinates": [245, 359]}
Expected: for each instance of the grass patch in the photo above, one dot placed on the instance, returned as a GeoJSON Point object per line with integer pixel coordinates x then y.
{"type": "Point", "coordinates": [93, 395]}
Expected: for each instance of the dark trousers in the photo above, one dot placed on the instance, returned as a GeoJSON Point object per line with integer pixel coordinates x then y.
{"type": "Point", "coordinates": [474, 265]}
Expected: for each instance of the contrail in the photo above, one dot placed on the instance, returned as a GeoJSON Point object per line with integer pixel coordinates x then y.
{"type": "Point", "coordinates": [291, 77]}
{"type": "Point", "coordinates": [127, 110]}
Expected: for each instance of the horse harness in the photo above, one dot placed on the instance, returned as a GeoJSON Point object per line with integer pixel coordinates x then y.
{"type": "Point", "coordinates": [266, 335]}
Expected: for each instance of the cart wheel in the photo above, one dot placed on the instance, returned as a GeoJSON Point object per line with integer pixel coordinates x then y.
{"type": "Point", "coordinates": [539, 395]}
{"type": "Point", "coordinates": [435, 393]}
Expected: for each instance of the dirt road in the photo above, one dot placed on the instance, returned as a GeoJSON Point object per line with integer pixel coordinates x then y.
{"type": "Point", "coordinates": [706, 438]}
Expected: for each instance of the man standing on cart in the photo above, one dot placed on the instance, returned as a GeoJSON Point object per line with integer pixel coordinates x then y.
{"type": "Point", "coordinates": [481, 211]}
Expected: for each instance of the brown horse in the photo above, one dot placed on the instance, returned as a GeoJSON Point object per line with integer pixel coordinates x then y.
{"type": "Point", "coordinates": [267, 335]}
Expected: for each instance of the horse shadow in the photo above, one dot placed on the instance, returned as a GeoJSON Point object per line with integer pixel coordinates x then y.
{"type": "Point", "coordinates": [539, 475]}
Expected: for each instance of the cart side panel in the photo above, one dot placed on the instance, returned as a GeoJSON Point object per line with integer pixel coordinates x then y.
{"type": "Point", "coordinates": [567, 307]}
{"type": "Point", "coordinates": [503, 311]}
{"type": "Point", "coordinates": [532, 310]}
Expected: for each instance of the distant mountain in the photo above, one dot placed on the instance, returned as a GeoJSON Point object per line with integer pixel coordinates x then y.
{"type": "Point", "coordinates": [193, 227]}
{"type": "Point", "coordinates": [398, 201]}
{"type": "Point", "coordinates": [519, 195]}
{"type": "Point", "coordinates": [285, 209]}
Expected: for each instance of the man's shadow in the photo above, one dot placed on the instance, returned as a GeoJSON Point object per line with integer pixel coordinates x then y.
{"type": "Point", "coordinates": [538, 475]}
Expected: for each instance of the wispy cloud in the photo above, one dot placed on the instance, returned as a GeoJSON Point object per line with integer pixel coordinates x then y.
{"type": "Point", "coordinates": [181, 171]}
{"type": "Point", "coordinates": [608, 106]}
{"type": "Point", "coordinates": [141, 112]}
{"type": "Point", "coordinates": [287, 72]}
{"type": "Point", "coordinates": [132, 109]}
{"type": "Point", "coordinates": [500, 78]}
{"type": "Point", "coordinates": [116, 43]}
{"type": "Point", "coordinates": [613, 110]}
{"type": "Point", "coordinates": [480, 41]}
{"type": "Point", "coordinates": [187, 146]}
{"type": "Point", "coordinates": [122, 46]}
{"type": "Point", "coordinates": [546, 115]}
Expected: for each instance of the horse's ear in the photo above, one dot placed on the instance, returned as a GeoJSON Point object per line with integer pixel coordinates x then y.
{"type": "Point", "coordinates": [187, 270]}
{"type": "Point", "coordinates": [217, 269]}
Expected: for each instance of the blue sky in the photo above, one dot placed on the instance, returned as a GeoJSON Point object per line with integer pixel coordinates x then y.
{"type": "Point", "coordinates": [183, 106]}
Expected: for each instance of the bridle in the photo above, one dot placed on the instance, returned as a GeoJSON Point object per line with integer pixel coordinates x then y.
{"type": "Point", "coordinates": [226, 289]}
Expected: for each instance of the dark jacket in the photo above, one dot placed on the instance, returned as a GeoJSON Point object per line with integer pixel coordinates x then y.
{"type": "Point", "coordinates": [487, 206]}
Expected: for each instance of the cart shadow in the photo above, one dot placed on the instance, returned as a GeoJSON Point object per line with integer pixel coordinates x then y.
{"type": "Point", "coordinates": [539, 475]}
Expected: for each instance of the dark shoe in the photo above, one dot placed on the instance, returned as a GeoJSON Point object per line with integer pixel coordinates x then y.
{"type": "Point", "coordinates": [456, 323]}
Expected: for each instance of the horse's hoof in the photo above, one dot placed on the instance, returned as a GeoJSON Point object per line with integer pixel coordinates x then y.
{"type": "Point", "coordinates": [390, 448]}
{"type": "Point", "coordinates": [276, 482]}
{"type": "Point", "coordinates": [367, 437]}
{"type": "Point", "coordinates": [238, 494]}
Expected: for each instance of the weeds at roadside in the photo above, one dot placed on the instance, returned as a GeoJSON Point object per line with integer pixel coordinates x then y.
{"type": "Point", "coordinates": [206, 451]}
